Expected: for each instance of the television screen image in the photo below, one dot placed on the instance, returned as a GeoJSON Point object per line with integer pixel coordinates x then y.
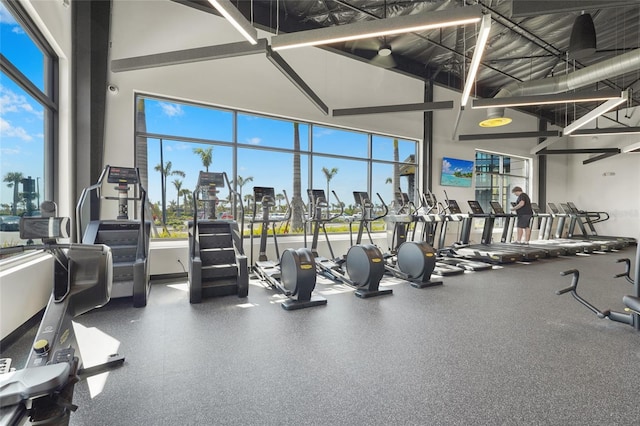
{"type": "Point", "coordinates": [456, 172]}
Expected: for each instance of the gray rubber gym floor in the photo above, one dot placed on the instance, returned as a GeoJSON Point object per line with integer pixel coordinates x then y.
{"type": "Point", "coordinates": [487, 348]}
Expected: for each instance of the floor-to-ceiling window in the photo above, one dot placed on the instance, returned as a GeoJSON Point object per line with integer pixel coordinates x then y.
{"type": "Point", "coordinates": [176, 140]}
{"type": "Point", "coordinates": [28, 114]}
{"type": "Point", "coordinates": [496, 175]}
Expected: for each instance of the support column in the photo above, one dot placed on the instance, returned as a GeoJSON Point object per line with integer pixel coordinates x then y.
{"type": "Point", "coordinates": [427, 140]}
{"type": "Point", "coordinates": [90, 38]}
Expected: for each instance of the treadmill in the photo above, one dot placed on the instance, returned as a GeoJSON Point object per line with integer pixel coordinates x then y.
{"type": "Point", "coordinates": [574, 219]}
{"type": "Point", "coordinates": [432, 216]}
{"type": "Point", "coordinates": [528, 253]}
{"type": "Point", "coordinates": [484, 252]}
{"type": "Point", "coordinates": [583, 246]}
{"type": "Point", "coordinates": [507, 231]}
{"type": "Point", "coordinates": [569, 248]}
{"type": "Point", "coordinates": [587, 218]}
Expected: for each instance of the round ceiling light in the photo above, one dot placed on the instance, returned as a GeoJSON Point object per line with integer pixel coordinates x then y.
{"type": "Point", "coordinates": [495, 122]}
{"type": "Point", "coordinates": [384, 51]}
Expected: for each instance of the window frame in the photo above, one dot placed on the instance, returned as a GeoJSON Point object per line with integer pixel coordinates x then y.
{"type": "Point", "coordinates": [48, 99]}
{"type": "Point", "coordinates": [308, 151]}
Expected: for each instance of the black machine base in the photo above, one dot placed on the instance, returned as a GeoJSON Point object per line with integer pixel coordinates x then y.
{"type": "Point", "coordinates": [430, 283]}
{"type": "Point", "coordinates": [293, 304]}
{"type": "Point", "coordinates": [363, 293]}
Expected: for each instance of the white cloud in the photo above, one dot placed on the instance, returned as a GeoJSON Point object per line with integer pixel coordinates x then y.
{"type": "Point", "coordinates": [13, 102]}
{"type": "Point", "coordinates": [9, 151]}
{"type": "Point", "coordinates": [446, 167]}
{"type": "Point", "coordinates": [7, 130]}
{"type": "Point", "coordinates": [254, 141]}
{"type": "Point", "coordinates": [322, 132]}
{"type": "Point", "coordinates": [6, 17]}
{"type": "Point", "coordinates": [171, 110]}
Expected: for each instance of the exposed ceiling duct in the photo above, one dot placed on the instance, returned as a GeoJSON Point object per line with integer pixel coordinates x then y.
{"type": "Point", "coordinates": [622, 64]}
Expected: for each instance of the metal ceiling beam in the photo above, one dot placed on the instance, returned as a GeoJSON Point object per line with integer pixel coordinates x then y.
{"type": "Point", "coordinates": [512, 135]}
{"type": "Point", "coordinates": [521, 9]}
{"type": "Point", "coordinates": [382, 109]}
{"type": "Point", "coordinates": [605, 131]}
{"type": "Point", "coordinates": [186, 56]}
{"type": "Point", "coordinates": [599, 157]}
{"type": "Point", "coordinates": [580, 151]}
{"type": "Point", "coordinates": [294, 78]}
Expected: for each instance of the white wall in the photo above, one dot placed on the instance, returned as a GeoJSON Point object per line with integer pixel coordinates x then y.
{"type": "Point", "coordinates": [611, 184]}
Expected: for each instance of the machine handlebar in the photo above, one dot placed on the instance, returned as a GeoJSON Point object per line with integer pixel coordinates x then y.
{"type": "Point", "coordinates": [340, 203]}
{"type": "Point", "coordinates": [574, 281]}
{"type": "Point", "coordinates": [627, 270]}
{"type": "Point", "coordinates": [573, 289]}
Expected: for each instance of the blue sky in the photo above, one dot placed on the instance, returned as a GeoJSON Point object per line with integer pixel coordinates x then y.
{"type": "Point", "coordinates": [21, 118]}
{"type": "Point", "coordinates": [267, 168]}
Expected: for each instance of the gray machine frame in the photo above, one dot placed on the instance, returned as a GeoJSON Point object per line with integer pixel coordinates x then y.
{"type": "Point", "coordinates": [42, 392]}
{"type": "Point", "coordinates": [139, 287]}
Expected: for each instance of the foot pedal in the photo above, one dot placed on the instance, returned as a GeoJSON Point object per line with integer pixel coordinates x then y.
{"type": "Point", "coordinates": [63, 355]}
{"type": "Point", "coordinates": [5, 365]}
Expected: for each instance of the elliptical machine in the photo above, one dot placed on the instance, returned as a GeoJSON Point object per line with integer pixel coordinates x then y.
{"type": "Point", "coordinates": [217, 263]}
{"type": "Point", "coordinates": [42, 392]}
{"type": "Point", "coordinates": [128, 239]}
{"type": "Point", "coordinates": [408, 260]}
{"type": "Point", "coordinates": [363, 266]}
{"type": "Point", "coordinates": [295, 274]}
{"type": "Point", "coordinates": [631, 316]}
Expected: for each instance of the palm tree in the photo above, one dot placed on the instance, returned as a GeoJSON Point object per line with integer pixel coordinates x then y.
{"type": "Point", "coordinates": [248, 198]}
{"type": "Point", "coordinates": [396, 167]}
{"type": "Point", "coordinates": [186, 195]}
{"type": "Point", "coordinates": [297, 205]}
{"type": "Point", "coordinates": [164, 173]}
{"type": "Point", "coordinates": [279, 198]}
{"type": "Point", "coordinates": [329, 174]}
{"type": "Point", "coordinates": [242, 182]}
{"type": "Point", "coordinates": [177, 183]}
{"type": "Point", "coordinates": [13, 179]}
{"type": "Point", "coordinates": [206, 155]}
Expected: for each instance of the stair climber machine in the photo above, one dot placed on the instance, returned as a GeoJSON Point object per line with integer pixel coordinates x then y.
{"type": "Point", "coordinates": [217, 263]}
{"type": "Point", "coordinates": [42, 392]}
{"type": "Point", "coordinates": [413, 261]}
{"type": "Point", "coordinates": [433, 214]}
{"type": "Point", "coordinates": [363, 266]}
{"type": "Point", "coordinates": [631, 316]}
{"type": "Point", "coordinates": [295, 274]}
{"type": "Point", "coordinates": [128, 239]}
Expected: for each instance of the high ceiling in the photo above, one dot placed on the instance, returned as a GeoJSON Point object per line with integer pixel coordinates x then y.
{"type": "Point", "coordinates": [528, 41]}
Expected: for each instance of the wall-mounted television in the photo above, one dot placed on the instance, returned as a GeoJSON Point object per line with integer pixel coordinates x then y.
{"type": "Point", "coordinates": [456, 172]}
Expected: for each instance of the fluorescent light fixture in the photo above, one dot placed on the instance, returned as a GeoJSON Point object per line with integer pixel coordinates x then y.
{"type": "Point", "coordinates": [607, 131]}
{"type": "Point", "coordinates": [237, 19]}
{"type": "Point", "coordinates": [556, 98]}
{"type": "Point", "coordinates": [595, 113]}
{"type": "Point", "coordinates": [481, 42]}
{"type": "Point", "coordinates": [634, 147]}
{"type": "Point", "coordinates": [378, 28]}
